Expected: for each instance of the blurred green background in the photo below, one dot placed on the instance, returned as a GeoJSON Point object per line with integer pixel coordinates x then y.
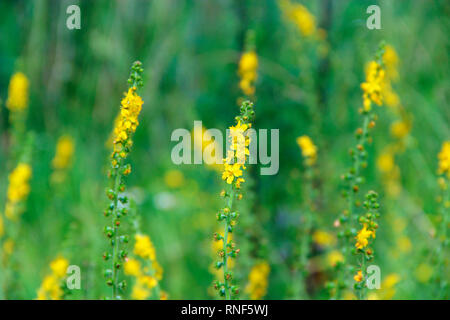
{"type": "Point", "coordinates": [190, 52]}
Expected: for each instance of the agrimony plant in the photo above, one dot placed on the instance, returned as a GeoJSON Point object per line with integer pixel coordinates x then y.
{"type": "Point", "coordinates": [234, 164]}
{"type": "Point", "coordinates": [131, 106]}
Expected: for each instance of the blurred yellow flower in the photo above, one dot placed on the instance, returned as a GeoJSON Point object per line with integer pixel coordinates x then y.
{"type": "Point", "coordinates": [147, 281]}
{"type": "Point", "coordinates": [139, 293]}
{"type": "Point", "coordinates": [444, 159]}
{"type": "Point", "coordinates": [2, 227]}
{"type": "Point", "coordinates": [323, 238]}
{"type": "Point", "coordinates": [19, 187]}
{"type": "Point", "coordinates": [390, 59]}
{"type": "Point", "coordinates": [248, 65]}
{"type": "Point", "coordinates": [17, 93]}
{"type": "Point", "coordinates": [399, 129]}
{"type": "Point", "coordinates": [51, 286]}
{"type": "Point", "coordinates": [334, 257]}
{"type": "Point", "coordinates": [64, 152]}
{"type": "Point", "coordinates": [300, 16]}
{"type": "Point", "coordinates": [8, 247]}
{"type": "Point", "coordinates": [404, 244]}
{"type": "Point", "coordinates": [59, 266]}
{"type": "Point", "coordinates": [385, 162]}
{"type": "Point", "coordinates": [144, 247]}
{"type": "Point", "coordinates": [309, 149]}
{"type": "Point", "coordinates": [424, 272]}
{"type": "Point", "coordinates": [132, 267]}
{"type": "Point", "coordinates": [257, 281]}
{"type": "Point", "coordinates": [18, 190]}
{"type": "Point", "coordinates": [174, 178]}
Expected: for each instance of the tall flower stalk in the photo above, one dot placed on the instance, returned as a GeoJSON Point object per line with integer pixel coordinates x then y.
{"type": "Point", "coordinates": [372, 94]}
{"type": "Point", "coordinates": [126, 125]}
{"type": "Point", "coordinates": [234, 164]}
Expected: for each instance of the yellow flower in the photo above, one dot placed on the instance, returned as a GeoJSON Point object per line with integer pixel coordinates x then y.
{"type": "Point", "coordinates": [174, 178]}
{"type": "Point", "coordinates": [323, 238]}
{"type": "Point", "coordinates": [390, 59]}
{"type": "Point", "coordinates": [17, 93]}
{"type": "Point", "coordinates": [372, 87]}
{"type": "Point", "coordinates": [444, 159]}
{"type": "Point", "coordinates": [387, 291]}
{"type": "Point", "coordinates": [144, 247]}
{"type": "Point", "coordinates": [147, 281]}
{"type": "Point", "coordinates": [139, 293]}
{"type": "Point", "coordinates": [132, 267]}
{"type": "Point", "coordinates": [64, 152]}
{"type": "Point", "coordinates": [8, 247]}
{"type": "Point", "coordinates": [334, 257]}
{"type": "Point", "coordinates": [385, 162]}
{"type": "Point", "coordinates": [2, 227]}
{"type": "Point", "coordinates": [131, 106]}
{"type": "Point", "coordinates": [19, 188]}
{"type": "Point", "coordinates": [257, 286]}
{"type": "Point", "coordinates": [231, 171]}
{"type": "Point", "coordinates": [390, 281]}
{"type": "Point", "coordinates": [362, 238]}
{"type": "Point", "coordinates": [300, 16]}
{"type": "Point", "coordinates": [400, 129]}
{"type": "Point", "coordinates": [51, 284]}
{"type": "Point", "coordinates": [358, 276]}
{"type": "Point", "coordinates": [309, 150]}
{"type": "Point", "coordinates": [59, 266]}
{"type": "Point", "coordinates": [248, 66]}
{"type": "Point", "coordinates": [158, 270]}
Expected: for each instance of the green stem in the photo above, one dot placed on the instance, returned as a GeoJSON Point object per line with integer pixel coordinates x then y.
{"type": "Point", "coordinates": [225, 243]}
{"type": "Point", "coordinates": [115, 258]}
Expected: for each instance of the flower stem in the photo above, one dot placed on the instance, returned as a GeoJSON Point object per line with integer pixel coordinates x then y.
{"type": "Point", "coordinates": [225, 243]}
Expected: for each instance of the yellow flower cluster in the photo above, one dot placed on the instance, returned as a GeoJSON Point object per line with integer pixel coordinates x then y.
{"type": "Point", "coordinates": [18, 189]}
{"type": "Point", "coordinates": [300, 16]}
{"type": "Point", "coordinates": [444, 159]}
{"type": "Point", "coordinates": [144, 247]}
{"type": "Point", "coordinates": [372, 88]}
{"type": "Point", "coordinates": [309, 150]}
{"type": "Point", "coordinates": [51, 287]}
{"type": "Point", "coordinates": [17, 93]}
{"type": "Point", "coordinates": [358, 276]}
{"type": "Point", "coordinates": [362, 238]}
{"type": "Point", "coordinates": [234, 163]}
{"type": "Point", "coordinates": [147, 276]}
{"type": "Point", "coordinates": [248, 66]}
{"type": "Point", "coordinates": [131, 106]}
{"type": "Point", "coordinates": [64, 153]}
{"type": "Point", "coordinates": [257, 281]}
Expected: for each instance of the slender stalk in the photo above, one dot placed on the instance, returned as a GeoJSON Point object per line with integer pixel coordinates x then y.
{"type": "Point", "coordinates": [225, 245]}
